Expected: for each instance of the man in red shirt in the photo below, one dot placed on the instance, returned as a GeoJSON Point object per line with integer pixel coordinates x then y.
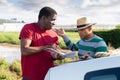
{"type": "Point", "coordinates": [34, 39]}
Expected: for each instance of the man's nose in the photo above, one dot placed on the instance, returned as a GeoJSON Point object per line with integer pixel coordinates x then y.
{"type": "Point", "coordinates": [53, 23]}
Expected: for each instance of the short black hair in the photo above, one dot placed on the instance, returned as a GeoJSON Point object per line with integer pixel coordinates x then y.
{"type": "Point", "coordinates": [46, 11]}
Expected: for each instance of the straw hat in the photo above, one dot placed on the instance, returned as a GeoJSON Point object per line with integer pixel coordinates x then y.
{"type": "Point", "coordinates": [83, 23]}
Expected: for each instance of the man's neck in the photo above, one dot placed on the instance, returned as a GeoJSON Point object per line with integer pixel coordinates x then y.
{"type": "Point", "coordinates": [40, 25]}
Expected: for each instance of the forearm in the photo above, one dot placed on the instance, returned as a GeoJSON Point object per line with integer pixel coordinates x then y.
{"type": "Point", "coordinates": [65, 38]}
{"type": "Point", "coordinates": [32, 50]}
{"type": "Point", "coordinates": [69, 43]}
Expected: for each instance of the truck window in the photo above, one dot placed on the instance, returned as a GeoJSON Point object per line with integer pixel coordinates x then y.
{"type": "Point", "coordinates": [104, 77]}
{"type": "Point", "coordinates": [104, 74]}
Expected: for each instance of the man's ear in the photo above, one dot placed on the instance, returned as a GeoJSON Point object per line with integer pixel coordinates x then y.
{"type": "Point", "coordinates": [43, 18]}
{"type": "Point", "coordinates": [90, 28]}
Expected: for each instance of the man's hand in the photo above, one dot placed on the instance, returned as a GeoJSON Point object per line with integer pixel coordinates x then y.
{"type": "Point", "coordinates": [84, 57]}
{"type": "Point", "coordinates": [54, 49]}
{"type": "Point", "coordinates": [60, 32]}
{"type": "Point", "coordinates": [58, 57]}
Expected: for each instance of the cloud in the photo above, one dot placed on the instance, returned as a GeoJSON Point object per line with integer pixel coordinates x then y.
{"type": "Point", "coordinates": [102, 11]}
{"type": "Point", "coordinates": [3, 4]}
{"type": "Point", "coordinates": [9, 10]}
{"type": "Point", "coordinates": [99, 3]}
{"type": "Point", "coordinates": [38, 4]}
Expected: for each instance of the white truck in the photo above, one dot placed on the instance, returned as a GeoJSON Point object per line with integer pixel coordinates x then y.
{"type": "Point", "coordinates": [105, 68]}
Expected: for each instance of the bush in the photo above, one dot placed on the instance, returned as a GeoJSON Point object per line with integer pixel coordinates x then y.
{"type": "Point", "coordinates": [10, 71]}
{"type": "Point", "coordinates": [111, 37]}
{"type": "Point", "coordinates": [118, 26]}
{"type": "Point", "coordinates": [6, 76]}
{"type": "Point", "coordinates": [3, 64]}
{"type": "Point", "coordinates": [16, 67]}
{"type": "Point", "coordinates": [66, 60]}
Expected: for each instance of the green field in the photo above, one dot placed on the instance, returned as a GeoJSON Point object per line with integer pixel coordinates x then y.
{"type": "Point", "coordinates": [13, 38]}
{"type": "Point", "coordinates": [9, 37]}
{"type": "Point", "coordinates": [74, 37]}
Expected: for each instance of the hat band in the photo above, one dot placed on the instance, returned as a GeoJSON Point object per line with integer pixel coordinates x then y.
{"type": "Point", "coordinates": [80, 26]}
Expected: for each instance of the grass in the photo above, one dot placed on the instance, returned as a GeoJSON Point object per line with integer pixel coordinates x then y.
{"type": "Point", "coordinates": [10, 71]}
{"type": "Point", "coordinates": [9, 37]}
{"type": "Point", "coordinates": [13, 38]}
{"type": "Point", "coordinates": [74, 37]}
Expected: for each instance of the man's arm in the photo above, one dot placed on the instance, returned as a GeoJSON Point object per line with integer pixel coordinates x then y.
{"type": "Point", "coordinates": [26, 49]}
{"type": "Point", "coordinates": [72, 46]}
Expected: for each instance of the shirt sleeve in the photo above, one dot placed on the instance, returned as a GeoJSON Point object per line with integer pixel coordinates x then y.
{"type": "Point", "coordinates": [72, 46]}
{"type": "Point", "coordinates": [101, 47]}
{"type": "Point", "coordinates": [26, 32]}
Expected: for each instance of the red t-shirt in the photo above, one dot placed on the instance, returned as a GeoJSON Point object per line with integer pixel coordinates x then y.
{"type": "Point", "coordinates": [35, 67]}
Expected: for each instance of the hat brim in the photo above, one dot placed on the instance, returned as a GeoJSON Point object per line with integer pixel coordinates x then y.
{"type": "Point", "coordinates": [90, 24]}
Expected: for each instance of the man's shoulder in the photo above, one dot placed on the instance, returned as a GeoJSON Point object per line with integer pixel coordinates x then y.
{"type": "Point", "coordinates": [97, 39]}
{"type": "Point", "coordinates": [29, 26]}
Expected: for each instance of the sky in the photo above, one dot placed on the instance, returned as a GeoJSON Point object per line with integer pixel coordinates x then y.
{"type": "Point", "coordinates": [98, 11]}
